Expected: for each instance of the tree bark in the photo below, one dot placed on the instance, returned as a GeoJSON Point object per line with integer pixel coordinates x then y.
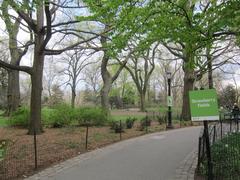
{"type": "Point", "coordinates": [106, 89]}
{"type": "Point", "coordinates": [188, 86]}
{"type": "Point", "coordinates": [36, 94]}
{"type": "Point", "coordinates": [209, 66]}
{"type": "Point", "coordinates": [107, 79]}
{"type": "Point", "coordinates": [73, 99]}
{"type": "Point", "coordinates": [142, 101]}
{"type": "Point", "coordinates": [35, 124]}
{"type": "Point", "coordinates": [13, 94]}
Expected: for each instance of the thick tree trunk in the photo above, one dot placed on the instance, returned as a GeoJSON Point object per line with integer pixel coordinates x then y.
{"type": "Point", "coordinates": [188, 86]}
{"type": "Point", "coordinates": [36, 94]}
{"type": "Point", "coordinates": [107, 79]}
{"type": "Point", "coordinates": [13, 95]}
{"type": "Point", "coordinates": [142, 101]}
{"type": "Point", "coordinates": [105, 91]}
{"type": "Point", "coordinates": [35, 124]}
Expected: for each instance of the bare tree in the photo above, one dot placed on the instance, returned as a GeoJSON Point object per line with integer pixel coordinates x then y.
{"type": "Point", "coordinates": [75, 61]}
{"type": "Point", "coordinates": [92, 77]}
{"type": "Point", "coordinates": [140, 70]}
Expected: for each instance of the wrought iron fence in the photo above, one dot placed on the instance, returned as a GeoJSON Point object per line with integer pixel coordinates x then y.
{"type": "Point", "coordinates": [224, 139]}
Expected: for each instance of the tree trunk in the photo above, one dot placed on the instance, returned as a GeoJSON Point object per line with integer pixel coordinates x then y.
{"type": "Point", "coordinates": [36, 94]}
{"type": "Point", "coordinates": [36, 78]}
{"type": "Point", "coordinates": [142, 101]}
{"type": "Point", "coordinates": [105, 91]}
{"type": "Point", "coordinates": [73, 98]}
{"type": "Point", "coordinates": [209, 66]}
{"type": "Point", "coordinates": [188, 86]}
{"type": "Point", "coordinates": [13, 95]}
{"type": "Point", "coordinates": [107, 79]}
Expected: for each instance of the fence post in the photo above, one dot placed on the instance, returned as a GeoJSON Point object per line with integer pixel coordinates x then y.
{"type": "Point", "coordinates": [199, 152]}
{"type": "Point", "coordinates": [230, 125]}
{"type": "Point", "coordinates": [86, 143]}
{"type": "Point", "coordinates": [35, 147]}
{"type": "Point", "coordinates": [208, 150]}
{"type": "Point", "coordinates": [214, 133]}
{"type": "Point", "coordinates": [120, 129]}
{"type": "Point", "coordinates": [146, 119]}
{"type": "Point", "coordinates": [221, 128]}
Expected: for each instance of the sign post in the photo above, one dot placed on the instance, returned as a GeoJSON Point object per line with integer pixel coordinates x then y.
{"type": "Point", "coordinates": [204, 107]}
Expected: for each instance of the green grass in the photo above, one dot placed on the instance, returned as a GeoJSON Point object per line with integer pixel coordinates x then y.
{"type": "Point", "coordinates": [3, 120]}
{"type": "Point", "coordinates": [124, 117]}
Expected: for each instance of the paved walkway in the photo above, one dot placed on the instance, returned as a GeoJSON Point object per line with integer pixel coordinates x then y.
{"type": "Point", "coordinates": [168, 155]}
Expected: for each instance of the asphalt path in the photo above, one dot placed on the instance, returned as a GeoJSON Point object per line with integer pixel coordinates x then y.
{"type": "Point", "coordinates": [151, 157]}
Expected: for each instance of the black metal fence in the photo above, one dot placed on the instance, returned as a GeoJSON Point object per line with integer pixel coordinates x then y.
{"type": "Point", "coordinates": [224, 139]}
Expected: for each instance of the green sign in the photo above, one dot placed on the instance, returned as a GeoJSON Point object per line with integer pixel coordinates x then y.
{"type": "Point", "coordinates": [169, 101]}
{"type": "Point", "coordinates": [204, 105]}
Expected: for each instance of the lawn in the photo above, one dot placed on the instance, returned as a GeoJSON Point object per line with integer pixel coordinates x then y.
{"type": "Point", "coordinates": [118, 115]}
{"type": "Point", "coordinates": [3, 120]}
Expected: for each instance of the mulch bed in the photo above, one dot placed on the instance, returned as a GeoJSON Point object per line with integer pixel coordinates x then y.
{"type": "Point", "coordinates": [56, 145]}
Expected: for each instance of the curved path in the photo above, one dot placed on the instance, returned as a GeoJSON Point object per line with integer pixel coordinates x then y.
{"type": "Point", "coordinates": [151, 157]}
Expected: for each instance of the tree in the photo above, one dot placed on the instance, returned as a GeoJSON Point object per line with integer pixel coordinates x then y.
{"type": "Point", "coordinates": [92, 77]}
{"type": "Point", "coordinates": [185, 23]}
{"type": "Point", "coordinates": [56, 97]}
{"type": "Point", "coordinates": [43, 26]}
{"type": "Point", "coordinates": [140, 70]}
{"type": "Point", "coordinates": [76, 60]}
{"type": "Point", "coordinates": [13, 26]}
{"type": "Point", "coordinates": [227, 96]}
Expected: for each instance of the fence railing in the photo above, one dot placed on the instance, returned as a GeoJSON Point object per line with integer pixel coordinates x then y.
{"type": "Point", "coordinates": [224, 137]}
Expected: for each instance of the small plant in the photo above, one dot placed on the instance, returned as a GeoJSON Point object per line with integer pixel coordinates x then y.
{"type": "Point", "coordinates": [117, 127]}
{"type": "Point", "coordinates": [161, 119]}
{"type": "Point", "coordinates": [3, 148]}
{"type": "Point", "coordinates": [130, 122]}
{"type": "Point", "coordinates": [145, 122]}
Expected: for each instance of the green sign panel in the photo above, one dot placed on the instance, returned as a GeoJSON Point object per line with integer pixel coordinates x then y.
{"type": "Point", "coordinates": [204, 105]}
{"type": "Point", "coordinates": [169, 101]}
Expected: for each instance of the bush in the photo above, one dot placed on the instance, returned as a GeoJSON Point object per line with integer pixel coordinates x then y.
{"type": "Point", "coordinates": [20, 117]}
{"type": "Point", "coordinates": [145, 122]}
{"type": "Point", "coordinates": [115, 125]}
{"type": "Point", "coordinates": [92, 116]}
{"type": "Point", "coordinates": [161, 119]}
{"type": "Point", "coordinates": [130, 122]}
{"type": "Point", "coordinates": [62, 115]}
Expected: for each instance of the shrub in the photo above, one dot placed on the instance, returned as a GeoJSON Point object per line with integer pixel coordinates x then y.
{"type": "Point", "coordinates": [161, 119]}
{"type": "Point", "coordinates": [20, 117]}
{"type": "Point", "coordinates": [115, 125]}
{"type": "Point", "coordinates": [130, 122]}
{"type": "Point", "coordinates": [60, 116]}
{"type": "Point", "coordinates": [145, 122]}
{"type": "Point", "coordinates": [92, 116]}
